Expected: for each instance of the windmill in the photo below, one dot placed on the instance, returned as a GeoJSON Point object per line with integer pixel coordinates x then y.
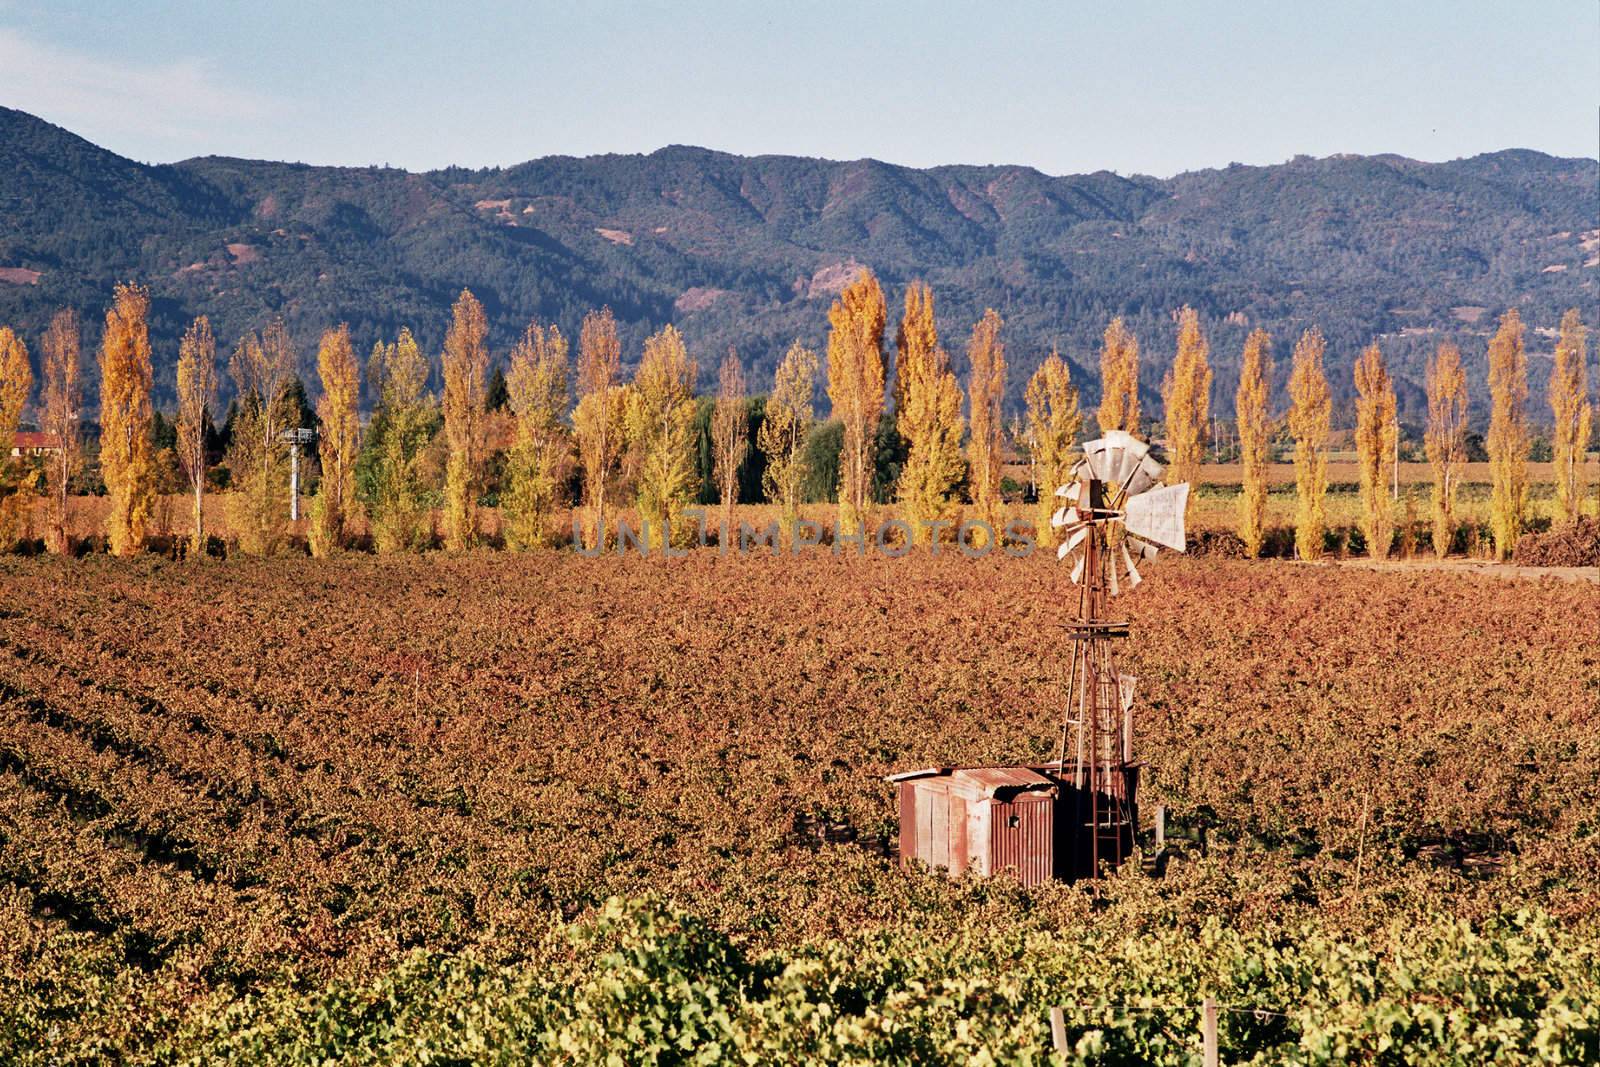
{"type": "Point", "coordinates": [1063, 819]}
{"type": "Point", "coordinates": [1114, 515]}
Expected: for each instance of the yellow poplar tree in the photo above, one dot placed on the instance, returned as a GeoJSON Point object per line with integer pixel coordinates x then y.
{"type": "Point", "coordinates": [1187, 396]}
{"type": "Point", "coordinates": [466, 369]}
{"type": "Point", "coordinates": [1446, 439]}
{"type": "Point", "coordinates": [1507, 442]}
{"type": "Point", "coordinates": [258, 507]}
{"type": "Point", "coordinates": [1250, 405]}
{"type": "Point", "coordinates": [1376, 431]}
{"type": "Point", "coordinates": [1569, 403]}
{"type": "Point", "coordinates": [338, 440]}
{"type": "Point", "coordinates": [127, 456]}
{"type": "Point", "coordinates": [1310, 412]}
{"type": "Point", "coordinates": [1119, 379]}
{"type": "Point", "coordinates": [730, 433]}
{"type": "Point", "coordinates": [986, 356]}
{"type": "Point", "coordinates": [16, 383]}
{"type": "Point", "coordinates": [1053, 422]}
{"type": "Point", "coordinates": [402, 427]}
{"type": "Point", "coordinates": [661, 434]}
{"type": "Point", "coordinates": [785, 425]}
{"type": "Point", "coordinates": [855, 388]}
{"type": "Point", "coordinates": [537, 386]}
{"type": "Point", "coordinates": [59, 408]}
{"type": "Point", "coordinates": [197, 387]}
{"type": "Point", "coordinates": [929, 416]}
{"type": "Point", "coordinates": [597, 421]}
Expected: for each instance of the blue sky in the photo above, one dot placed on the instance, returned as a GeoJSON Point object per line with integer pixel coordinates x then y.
{"type": "Point", "coordinates": [1065, 86]}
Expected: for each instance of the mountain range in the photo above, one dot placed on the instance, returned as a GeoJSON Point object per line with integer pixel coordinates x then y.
{"type": "Point", "coordinates": [748, 251]}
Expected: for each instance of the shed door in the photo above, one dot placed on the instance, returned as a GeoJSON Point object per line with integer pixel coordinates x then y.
{"type": "Point", "coordinates": [1022, 837]}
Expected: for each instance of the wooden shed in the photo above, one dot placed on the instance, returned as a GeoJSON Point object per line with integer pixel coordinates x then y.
{"type": "Point", "coordinates": [1031, 821]}
{"type": "Point", "coordinates": [986, 819]}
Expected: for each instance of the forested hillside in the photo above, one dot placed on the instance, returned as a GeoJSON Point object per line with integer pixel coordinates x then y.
{"type": "Point", "coordinates": [749, 251]}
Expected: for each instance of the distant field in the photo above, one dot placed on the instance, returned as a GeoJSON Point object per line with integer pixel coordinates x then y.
{"type": "Point", "coordinates": [1346, 472]}
{"type": "Point", "coordinates": [1214, 504]}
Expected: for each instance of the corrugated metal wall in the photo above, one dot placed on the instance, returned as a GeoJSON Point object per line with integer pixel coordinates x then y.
{"type": "Point", "coordinates": [1029, 845]}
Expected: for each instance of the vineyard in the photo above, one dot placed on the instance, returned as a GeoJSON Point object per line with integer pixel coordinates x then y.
{"type": "Point", "coordinates": [506, 807]}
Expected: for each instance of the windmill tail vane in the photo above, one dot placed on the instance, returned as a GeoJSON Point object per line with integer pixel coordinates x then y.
{"type": "Point", "coordinates": [1114, 515]}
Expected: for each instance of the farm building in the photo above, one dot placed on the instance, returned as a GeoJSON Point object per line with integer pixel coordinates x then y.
{"type": "Point", "coordinates": [33, 443]}
{"type": "Point", "coordinates": [1033, 821]}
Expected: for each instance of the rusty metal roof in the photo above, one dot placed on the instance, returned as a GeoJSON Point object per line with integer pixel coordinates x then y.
{"type": "Point", "coordinates": [993, 780]}
{"type": "Point", "coordinates": [986, 781]}
{"type": "Point", "coordinates": [911, 776]}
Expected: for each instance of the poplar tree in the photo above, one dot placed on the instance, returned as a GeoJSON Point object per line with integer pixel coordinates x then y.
{"type": "Point", "coordinates": [127, 456]}
{"type": "Point", "coordinates": [466, 371]}
{"type": "Point", "coordinates": [197, 388]}
{"type": "Point", "coordinates": [1187, 396]}
{"type": "Point", "coordinates": [1507, 442]}
{"type": "Point", "coordinates": [1446, 439]}
{"type": "Point", "coordinates": [537, 388]}
{"type": "Point", "coordinates": [929, 415]}
{"type": "Point", "coordinates": [785, 425]}
{"type": "Point", "coordinates": [59, 413]}
{"type": "Point", "coordinates": [1569, 403]}
{"type": "Point", "coordinates": [16, 383]}
{"type": "Point", "coordinates": [402, 428]}
{"type": "Point", "coordinates": [1255, 428]}
{"type": "Point", "coordinates": [1053, 424]}
{"type": "Point", "coordinates": [1376, 434]}
{"type": "Point", "coordinates": [986, 356]}
{"type": "Point", "coordinates": [597, 421]}
{"type": "Point", "coordinates": [1310, 411]}
{"type": "Point", "coordinates": [855, 388]}
{"type": "Point", "coordinates": [338, 440]}
{"type": "Point", "coordinates": [262, 368]}
{"type": "Point", "coordinates": [1119, 379]}
{"type": "Point", "coordinates": [730, 433]}
{"type": "Point", "coordinates": [660, 423]}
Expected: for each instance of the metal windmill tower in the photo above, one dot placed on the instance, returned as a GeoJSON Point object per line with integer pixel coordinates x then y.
{"type": "Point", "coordinates": [1112, 511]}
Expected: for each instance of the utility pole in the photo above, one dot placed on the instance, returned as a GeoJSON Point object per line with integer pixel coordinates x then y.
{"type": "Point", "coordinates": [295, 438]}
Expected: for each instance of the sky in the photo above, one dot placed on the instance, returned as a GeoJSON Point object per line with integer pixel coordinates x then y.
{"type": "Point", "coordinates": [1065, 86]}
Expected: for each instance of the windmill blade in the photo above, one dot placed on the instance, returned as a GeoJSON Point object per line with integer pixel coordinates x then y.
{"type": "Point", "coordinates": [1094, 459]}
{"type": "Point", "coordinates": [1147, 551]}
{"type": "Point", "coordinates": [1158, 515]}
{"type": "Point", "coordinates": [1147, 474]}
{"type": "Point", "coordinates": [1077, 570]}
{"type": "Point", "coordinates": [1134, 578]}
{"type": "Point", "coordinates": [1106, 457]}
{"type": "Point", "coordinates": [1125, 453]}
{"type": "Point", "coordinates": [1072, 542]}
{"type": "Point", "coordinates": [1064, 517]}
{"type": "Point", "coordinates": [1069, 492]}
{"type": "Point", "coordinates": [1125, 687]}
{"type": "Point", "coordinates": [1127, 442]}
